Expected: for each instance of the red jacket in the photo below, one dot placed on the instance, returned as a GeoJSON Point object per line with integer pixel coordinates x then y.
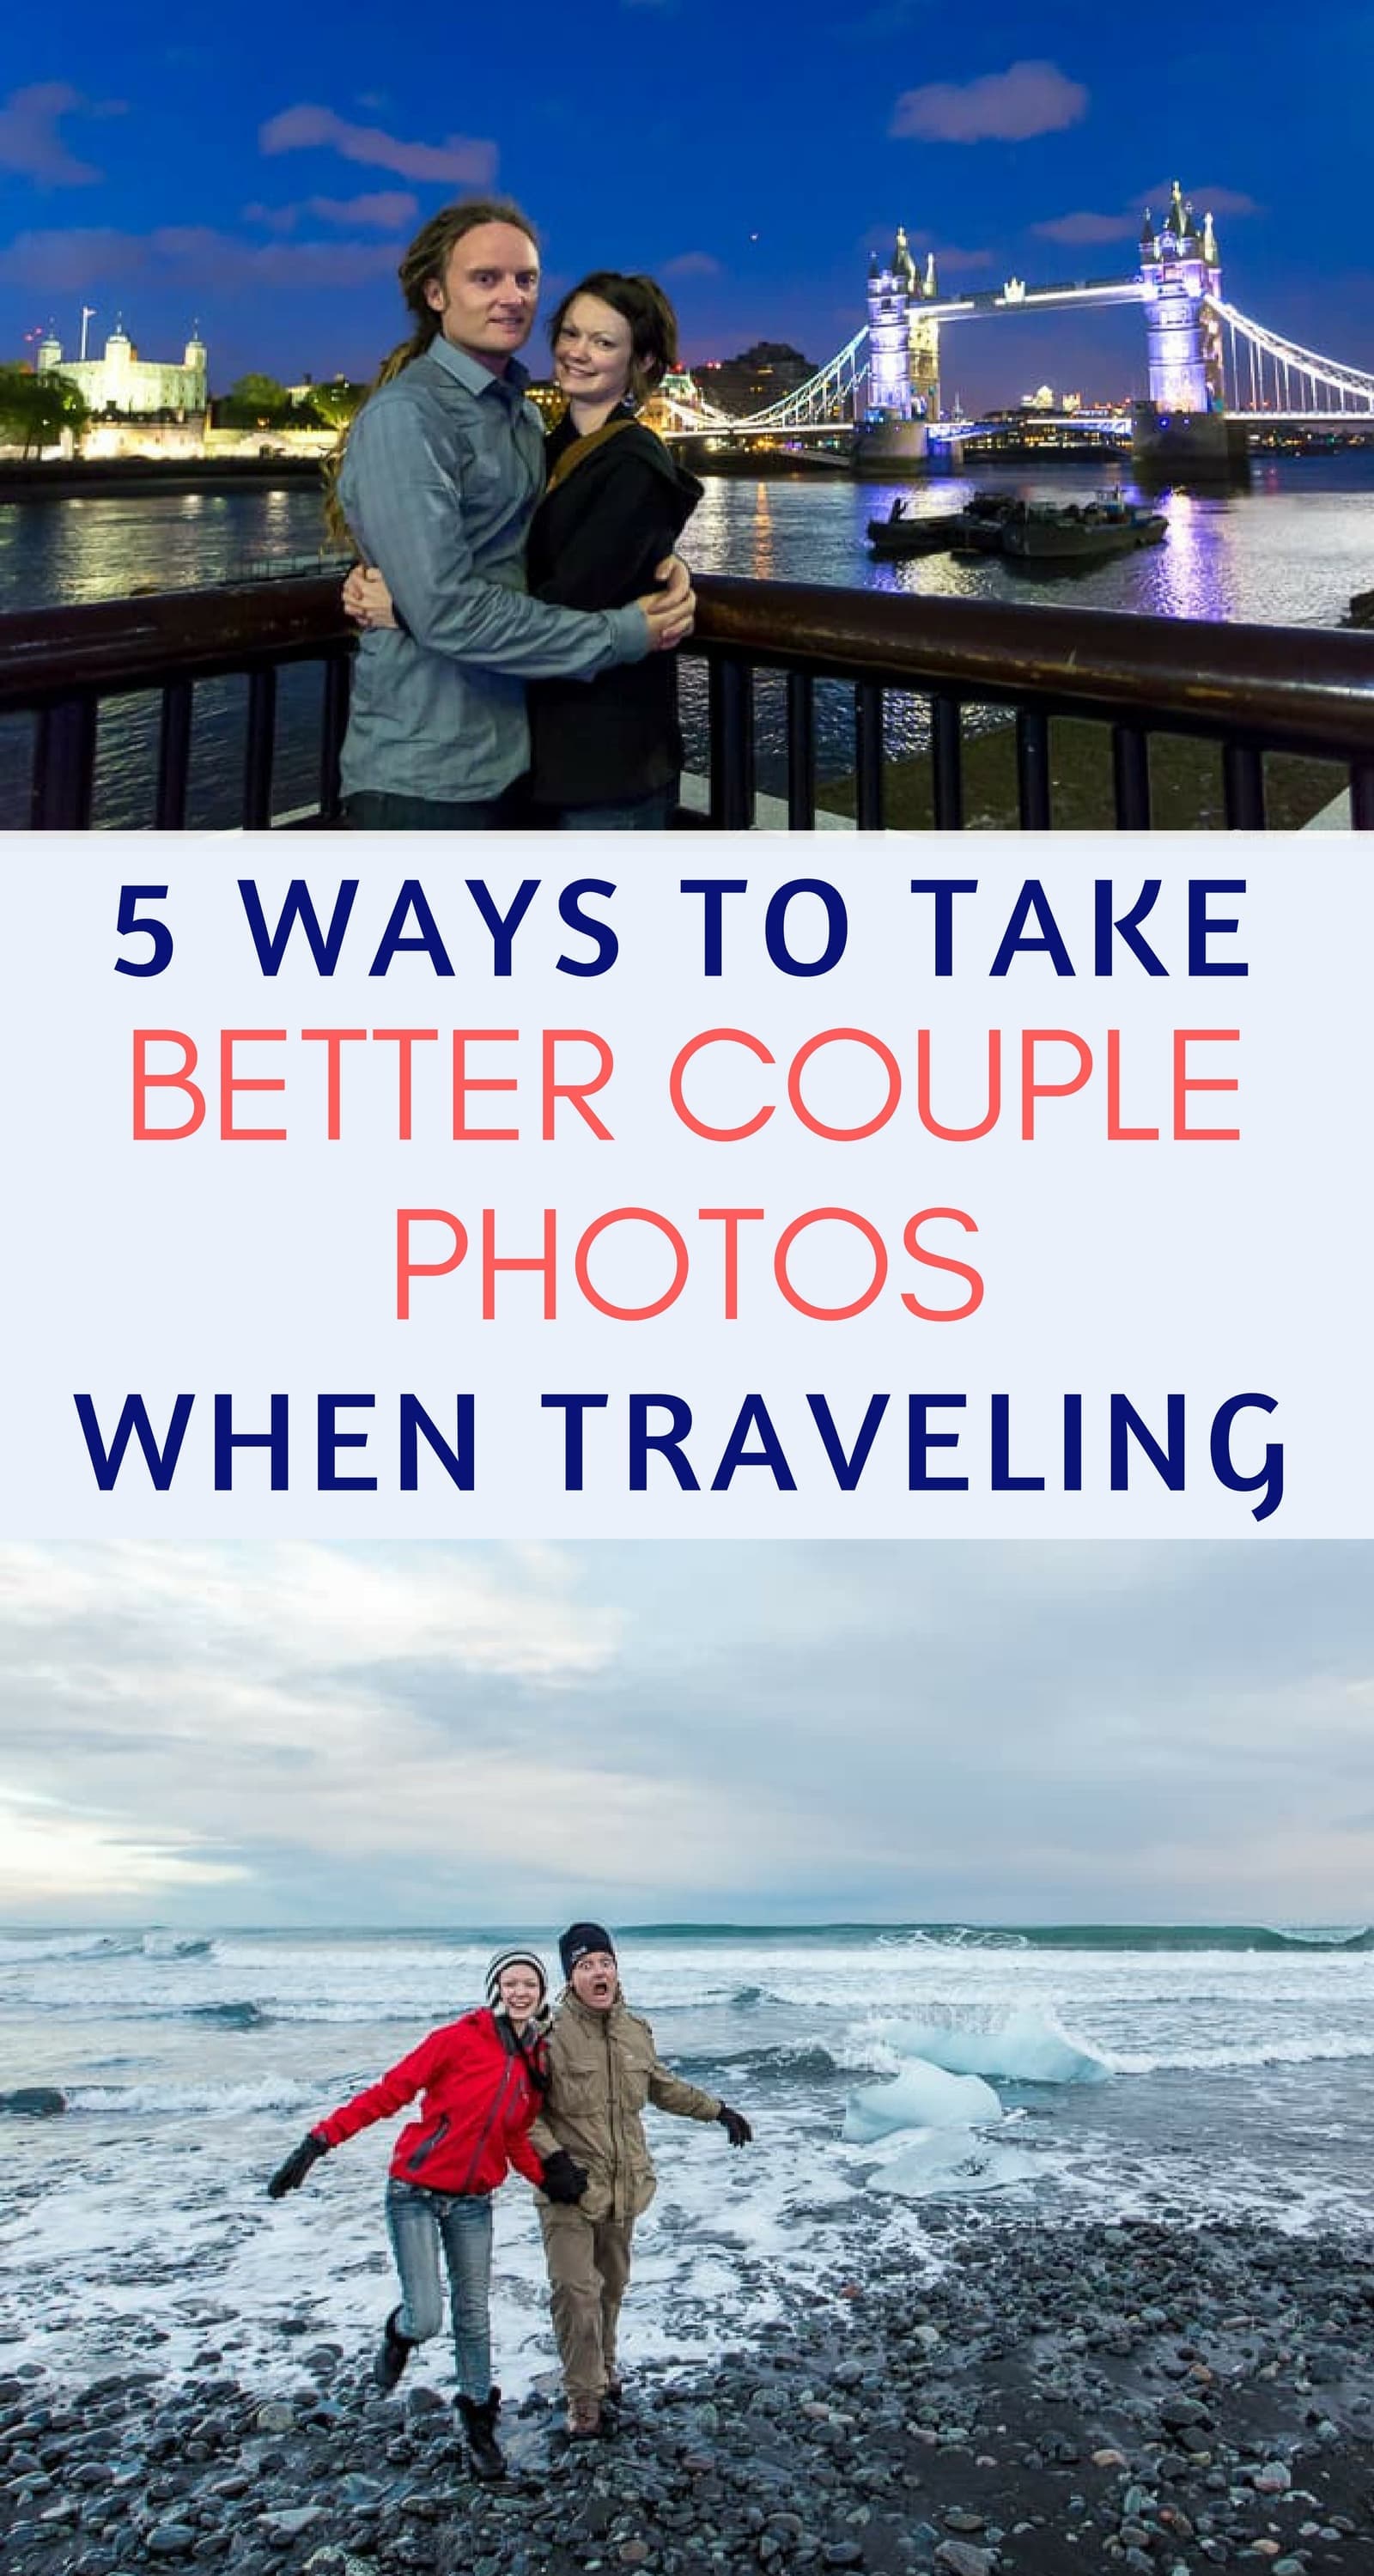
{"type": "Point", "coordinates": [479, 2100]}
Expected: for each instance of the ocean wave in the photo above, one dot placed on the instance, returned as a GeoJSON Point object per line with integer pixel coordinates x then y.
{"type": "Point", "coordinates": [17, 1949]}
{"type": "Point", "coordinates": [208, 2101]}
{"type": "Point", "coordinates": [763, 2065]}
{"type": "Point", "coordinates": [1261, 2051]}
{"type": "Point", "coordinates": [20, 1949]}
{"type": "Point", "coordinates": [231, 2016]}
{"type": "Point", "coordinates": [1124, 1937]}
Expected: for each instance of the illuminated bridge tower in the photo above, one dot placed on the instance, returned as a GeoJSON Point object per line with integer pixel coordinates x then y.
{"type": "Point", "coordinates": [889, 339]}
{"type": "Point", "coordinates": [893, 431]}
{"type": "Point", "coordinates": [1183, 426]}
{"type": "Point", "coordinates": [1179, 270]}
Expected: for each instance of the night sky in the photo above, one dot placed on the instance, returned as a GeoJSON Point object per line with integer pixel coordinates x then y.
{"type": "Point", "coordinates": [260, 177]}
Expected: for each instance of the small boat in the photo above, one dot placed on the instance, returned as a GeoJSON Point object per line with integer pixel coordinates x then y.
{"type": "Point", "coordinates": [1050, 532]}
{"type": "Point", "coordinates": [974, 528]}
{"type": "Point", "coordinates": [899, 535]}
{"type": "Point", "coordinates": [981, 521]}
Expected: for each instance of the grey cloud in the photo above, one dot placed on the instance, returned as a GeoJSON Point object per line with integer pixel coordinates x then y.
{"type": "Point", "coordinates": [1049, 1733]}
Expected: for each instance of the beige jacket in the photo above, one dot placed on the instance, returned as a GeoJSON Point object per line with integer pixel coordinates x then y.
{"type": "Point", "coordinates": [603, 2068]}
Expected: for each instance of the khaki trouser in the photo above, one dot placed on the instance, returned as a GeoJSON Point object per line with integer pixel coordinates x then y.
{"type": "Point", "coordinates": [589, 2265]}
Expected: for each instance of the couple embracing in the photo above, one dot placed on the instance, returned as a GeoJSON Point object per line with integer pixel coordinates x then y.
{"type": "Point", "coordinates": [516, 659]}
{"type": "Point", "coordinates": [559, 2099]}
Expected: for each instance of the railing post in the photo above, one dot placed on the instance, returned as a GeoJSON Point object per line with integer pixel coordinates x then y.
{"type": "Point", "coordinates": [1131, 778]}
{"type": "Point", "coordinates": [869, 782]}
{"type": "Point", "coordinates": [1362, 795]}
{"type": "Point", "coordinates": [1242, 787]}
{"type": "Point", "coordinates": [1033, 770]}
{"type": "Point", "coordinates": [338, 681]}
{"type": "Point", "coordinates": [730, 695]}
{"type": "Point", "coordinates": [801, 752]}
{"type": "Point", "coordinates": [173, 757]}
{"type": "Point", "coordinates": [63, 782]}
{"type": "Point", "coordinates": [946, 762]}
{"type": "Point", "coordinates": [258, 750]}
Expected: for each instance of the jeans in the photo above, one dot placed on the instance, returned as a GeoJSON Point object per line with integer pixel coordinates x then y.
{"type": "Point", "coordinates": [374, 809]}
{"type": "Point", "coordinates": [419, 2223]}
{"type": "Point", "coordinates": [649, 814]}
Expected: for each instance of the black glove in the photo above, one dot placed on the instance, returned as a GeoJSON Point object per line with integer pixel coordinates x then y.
{"type": "Point", "coordinates": [564, 2181]}
{"type": "Point", "coordinates": [735, 2125]}
{"type": "Point", "coordinates": [291, 2175]}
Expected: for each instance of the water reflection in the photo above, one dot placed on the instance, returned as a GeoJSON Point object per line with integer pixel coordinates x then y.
{"type": "Point", "coordinates": [1290, 550]}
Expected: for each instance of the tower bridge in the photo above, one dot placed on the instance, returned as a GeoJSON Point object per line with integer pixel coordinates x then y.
{"type": "Point", "coordinates": [1214, 372]}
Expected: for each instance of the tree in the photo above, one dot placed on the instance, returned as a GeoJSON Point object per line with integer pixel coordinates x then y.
{"type": "Point", "coordinates": [331, 406]}
{"type": "Point", "coordinates": [38, 408]}
{"type": "Point", "coordinates": [256, 402]}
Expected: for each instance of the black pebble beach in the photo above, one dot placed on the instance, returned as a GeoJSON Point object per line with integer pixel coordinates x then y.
{"type": "Point", "coordinates": [1137, 2396]}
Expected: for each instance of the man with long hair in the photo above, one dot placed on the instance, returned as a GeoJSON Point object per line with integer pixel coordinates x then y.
{"type": "Point", "coordinates": [436, 484]}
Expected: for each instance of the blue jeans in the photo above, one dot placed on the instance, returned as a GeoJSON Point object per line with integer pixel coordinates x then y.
{"type": "Point", "coordinates": [648, 814]}
{"type": "Point", "coordinates": [375, 809]}
{"type": "Point", "coordinates": [419, 2223]}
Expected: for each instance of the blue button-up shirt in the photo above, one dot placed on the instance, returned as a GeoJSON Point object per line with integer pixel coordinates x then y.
{"type": "Point", "coordinates": [441, 473]}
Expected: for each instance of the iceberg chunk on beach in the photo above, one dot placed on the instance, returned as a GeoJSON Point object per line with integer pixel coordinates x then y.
{"type": "Point", "coordinates": [953, 2161]}
{"type": "Point", "coordinates": [919, 2097]}
{"type": "Point", "coordinates": [1024, 2045]}
{"type": "Point", "coordinates": [936, 2130]}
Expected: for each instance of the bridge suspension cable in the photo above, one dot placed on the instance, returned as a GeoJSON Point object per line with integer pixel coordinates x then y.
{"type": "Point", "coordinates": [1261, 359]}
{"type": "Point", "coordinates": [823, 395]}
{"type": "Point", "coordinates": [821, 399]}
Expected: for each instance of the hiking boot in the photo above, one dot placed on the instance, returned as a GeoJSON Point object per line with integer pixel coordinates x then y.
{"type": "Point", "coordinates": [613, 2395]}
{"type": "Point", "coordinates": [584, 2418]}
{"type": "Point", "coordinates": [393, 2355]}
{"type": "Point", "coordinates": [479, 2423]}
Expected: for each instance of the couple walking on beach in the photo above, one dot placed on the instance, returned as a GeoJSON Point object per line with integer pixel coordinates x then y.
{"type": "Point", "coordinates": [557, 2097]}
{"type": "Point", "coordinates": [516, 660]}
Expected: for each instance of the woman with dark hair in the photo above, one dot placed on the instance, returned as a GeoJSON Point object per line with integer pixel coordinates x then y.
{"type": "Point", "coordinates": [606, 752]}
{"type": "Point", "coordinates": [483, 2080]}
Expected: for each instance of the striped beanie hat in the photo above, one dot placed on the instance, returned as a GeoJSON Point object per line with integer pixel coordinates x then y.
{"type": "Point", "coordinates": [517, 1958]}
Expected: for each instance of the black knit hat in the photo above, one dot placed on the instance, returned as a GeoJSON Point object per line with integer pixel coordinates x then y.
{"type": "Point", "coordinates": [580, 1940]}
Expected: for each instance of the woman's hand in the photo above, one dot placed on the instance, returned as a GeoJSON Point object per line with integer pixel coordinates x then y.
{"type": "Point", "coordinates": [290, 2176]}
{"type": "Point", "coordinates": [366, 598]}
{"type": "Point", "coordinates": [671, 610]}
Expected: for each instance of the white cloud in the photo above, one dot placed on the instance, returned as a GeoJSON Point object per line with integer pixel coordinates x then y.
{"type": "Point", "coordinates": [31, 143]}
{"type": "Point", "coordinates": [459, 161]}
{"type": "Point", "coordinates": [1006, 107]}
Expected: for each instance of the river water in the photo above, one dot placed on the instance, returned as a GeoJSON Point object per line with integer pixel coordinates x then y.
{"type": "Point", "coordinates": [1288, 551]}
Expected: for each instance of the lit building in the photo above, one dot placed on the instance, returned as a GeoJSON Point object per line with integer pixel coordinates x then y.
{"type": "Point", "coordinates": [1180, 271]}
{"type": "Point", "coordinates": [904, 343]}
{"type": "Point", "coordinates": [132, 387]}
{"type": "Point", "coordinates": [756, 378]}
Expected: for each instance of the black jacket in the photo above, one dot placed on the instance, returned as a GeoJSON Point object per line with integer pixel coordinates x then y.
{"type": "Point", "coordinates": [608, 520]}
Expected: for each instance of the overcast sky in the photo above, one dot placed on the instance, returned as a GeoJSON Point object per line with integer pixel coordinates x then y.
{"type": "Point", "coordinates": [444, 1735]}
{"type": "Point", "coordinates": [165, 170]}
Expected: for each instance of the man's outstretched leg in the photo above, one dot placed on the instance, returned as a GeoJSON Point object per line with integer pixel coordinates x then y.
{"type": "Point", "coordinates": [575, 2300]}
{"type": "Point", "coordinates": [611, 2255]}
